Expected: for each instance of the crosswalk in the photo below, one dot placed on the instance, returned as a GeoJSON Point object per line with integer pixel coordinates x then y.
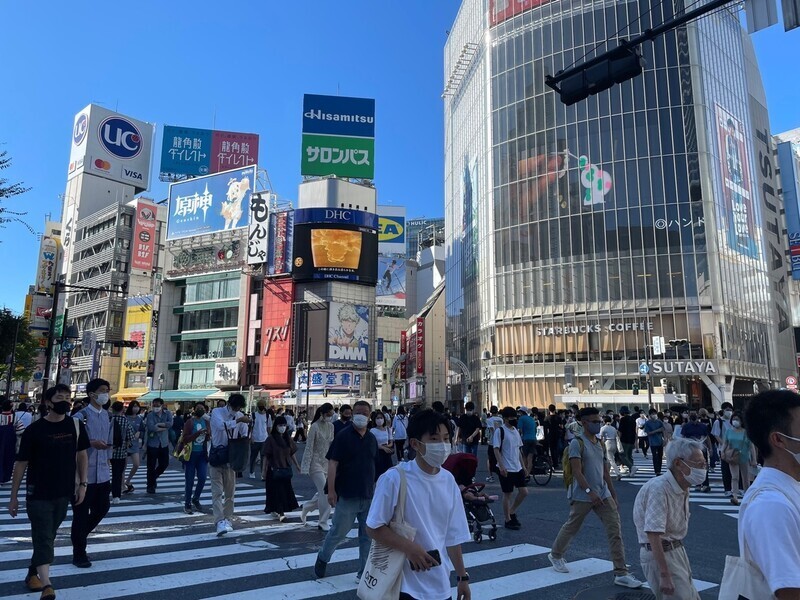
{"type": "Point", "coordinates": [714, 500]}
{"type": "Point", "coordinates": [147, 547]}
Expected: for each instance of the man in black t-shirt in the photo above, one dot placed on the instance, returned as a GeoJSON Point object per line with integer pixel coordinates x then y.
{"type": "Point", "coordinates": [469, 429]}
{"type": "Point", "coordinates": [627, 435]}
{"type": "Point", "coordinates": [53, 450]}
{"type": "Point", "coordinates": [554, 434]}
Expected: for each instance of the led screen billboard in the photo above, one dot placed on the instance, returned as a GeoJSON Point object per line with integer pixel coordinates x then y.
{"type": "Point", "coordinates": [276, 328]}
{"type": "Point", "coordinates": [187, 151]}
{"type": "Point", "coordinates": [348, 333]}
{"type": "Point", "coordinates": [281, 237]}
{"type": "Point", "coordinates": [212, 203]}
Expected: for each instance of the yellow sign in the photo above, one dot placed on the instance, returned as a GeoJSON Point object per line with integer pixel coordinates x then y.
{"type": "Point", "coordinates": [133, 368]}
{"type": "Point", "coordinates": [390, 230]}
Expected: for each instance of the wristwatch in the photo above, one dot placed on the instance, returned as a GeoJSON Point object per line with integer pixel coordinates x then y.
{"type": "Point", "coordinates": [464, 578]}
{"type": "Point", "coordinates": [84, 484]}
{"type": "Point", "coordinates": [588, 490]}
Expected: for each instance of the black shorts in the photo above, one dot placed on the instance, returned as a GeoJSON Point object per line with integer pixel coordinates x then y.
{"type": "Point", "coordinates": [529, 447]}
{"type": "Point", "coordinates": [492, 461]}
{"type": "Point", "coordinates": [513, 480]}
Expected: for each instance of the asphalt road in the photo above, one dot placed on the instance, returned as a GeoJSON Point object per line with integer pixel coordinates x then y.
{"type": "Point", "coordinates": [147, 548]}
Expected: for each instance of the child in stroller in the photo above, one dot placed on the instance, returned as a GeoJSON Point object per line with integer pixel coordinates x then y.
{"type": "Point", "coordinates": [476, 504]}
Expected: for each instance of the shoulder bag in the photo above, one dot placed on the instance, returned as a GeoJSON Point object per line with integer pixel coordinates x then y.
{"type": "Point", "coordinates": [383, 572]}
{"type": "Point", "coordinates": [238, 451]}
{"type": "Point", "coordinates": [219, 456]}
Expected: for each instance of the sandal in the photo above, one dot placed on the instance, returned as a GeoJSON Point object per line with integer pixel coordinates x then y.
{"type": "Point", "coordinates": [48, 593]}
{"type": "Point", "coordinates": [128, 489]}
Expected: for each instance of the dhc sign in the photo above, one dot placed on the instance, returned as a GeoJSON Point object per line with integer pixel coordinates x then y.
{"type": "Point", "coordinates": [685, 367]}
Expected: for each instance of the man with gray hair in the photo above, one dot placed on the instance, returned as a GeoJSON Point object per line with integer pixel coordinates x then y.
{"type": "Point", "coordinates": [661, 515]}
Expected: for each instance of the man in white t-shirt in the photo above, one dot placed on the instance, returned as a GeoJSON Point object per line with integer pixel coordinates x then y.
{"type": "Point", "coordinates": [493, 423]}
{"type": "Point", "coordinates": [507, 448]}
{"type": "Point", "coordinates": [769, 519]}
{"type": "Point", "coordinates": [433, 507]}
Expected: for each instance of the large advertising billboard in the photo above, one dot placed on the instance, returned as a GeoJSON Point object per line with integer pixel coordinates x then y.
{"type": "Point", "coordinates": [391, 287]}
{"type": "Point", "coordinates": [738, 216]}
{"type": "Point", "coordinates": [144, 236]}
{"type": "Point", "coordinates": [138, 320]}
{"type": "Point", "coordinates": [258, 232]}
{"type": "Point", "coordinates": [348, 333]}
{"type": "Point", "coordinates": [789, 161]}
{"type": "Point", "coordinates": [212, 203]}
{"type": "Point", "coordinates": [392, 229]}
{"type": "Point", "coordinates": [187, 151]}
{"type": "Point", "coordinates": [331, 380]}
{"type": "Point", "coordinates": [47, 267]}
{"type": "Point", "coordinates": [281, 243]}
{"type": "Point", "coordinates": [338, 136]}
{"type": "Point", "coordinates": [276, 329]}
{"type": "Point", "coordinates": [112, 146]}
{"type": "Point", "coordinates": [335, 244]}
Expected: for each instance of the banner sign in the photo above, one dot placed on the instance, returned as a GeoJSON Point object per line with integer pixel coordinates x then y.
{"type": "Point", "coordinates": [337, 216]}
{"type": "Point", "coordinates": [392, 230]}
{"type": "Point", "coordinates": [186, 151]}
{"type": "Point", "coordinates": [500, 10]}
{"type": "Point", "coordinates": [391, 288]}
{"type": "Point", "coordinates": [209, 204]}
{"type": "Point", "coordinates": [48, 265]}
{"type": "Point", "coordinates": [348, 333]}
{"type": "Point", "coordinates": [144, 236]}
{"type": "Point", "coordinates": [420, 346]}
{"type": "Point", "coordinates": [280, 246]}
{"type": "Point", "coordinates": [258, 234]}
{"type": "Point", "coordinates": [789, 162]}
{"type": "Point", "coordinates": [403, 351]}
{"type": "Point", "coordinates": [226, 373]}
{"type": "Point", "coordinates": [332, 380]}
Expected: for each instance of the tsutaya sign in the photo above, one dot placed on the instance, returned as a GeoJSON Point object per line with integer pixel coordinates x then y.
{"type": "Point", "coordinates": [684, 367]}
{"type": "Point", "coordinates": [594, 328]}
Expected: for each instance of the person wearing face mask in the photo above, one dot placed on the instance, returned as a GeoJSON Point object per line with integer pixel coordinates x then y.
{"type": "Point", "coordinates": [53, 451]}
{"type": "Point", "coordinates": [259, 434]}
{"type": "Point", "coordinates": [351, 482]}
{"type": "Point", "coordinates": [698, 431]}
{"type": "Point", "coordinates": [227, 422]}
{"type": "Point", "coordinates": [769, 518]}
{"type": "Point", "coordinates": [399, 425]}
{"type": "Point", "coordinates": [277, 458]}
{"type": "Point", "coordinates": [87, 515]}
{"type": "Point", "coordinates": [433, 507]}
{"type": "Point", "coordinates": [383, 435]}
{"type": "Point", "coordinates": [135, 450]}
{"type": "Point", "coordinates": [122, 434]}
{"type": "Point", "coordinates": [654, 429]}
{"type": "Point", "coordinates": [661, 515]}
{"type": "Point", "coordinates": [718, 430]}
{"type": "Point", "coordinates": [157, 425]}
{"type": "Point", "coordinates": [592, 490]}
{"type": "Point", "coordinates": [195, 432]}
{"type": "Point", "coordinates": [741, 457]}
{"type": "Point", "coordinates": [345, 415]}
{"type": "Point", "coordinates": [507, 447]}
{"type": "Point", "coordinates": [315, 465]}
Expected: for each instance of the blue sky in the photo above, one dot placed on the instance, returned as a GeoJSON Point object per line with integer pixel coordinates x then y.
{"type": "Point", "coordinates": [248, 62]}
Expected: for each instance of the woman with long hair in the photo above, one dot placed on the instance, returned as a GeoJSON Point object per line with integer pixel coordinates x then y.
{"type": "Point", "coordinates": [135, 449]}
{"type": "Point", "coordinates": [738, 452]}
{"type": "Point", "coordinates": [315, 465]}
{"type": "Point", "coordinates": [278, 455]}
{"type": "Point", "coordinates": [382, 433]}
{"type": "Point", "coordinates": [399, 425]}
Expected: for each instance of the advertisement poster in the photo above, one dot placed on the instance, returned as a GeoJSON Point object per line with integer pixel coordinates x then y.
{"type": "Point", "coordinates": [348, 333]}
{"type": "Point", "coordinates": [789, 162]}
{"type": "Point", "coordinates": [209, 204]}
{"type": "Point", "coordinates": [391, 288]}
{"type": "Point", "coordinates": [739, 219]}
{"type": "Point", "coordinates": [404, 352]}
{"type": "Point", "coordinates": [48, 265]}
{"type": "Point", "coordinates": [187, 151]}
{"type": "Point", "coordinates": [276, 327]}
{"type": "Point", "coordinates": [138, 320]}
{"type": "Point", "coordinates": [144, 236]}
{"type": "Point", "coordinates": [420, 346]}
{"type": "Point", "coordinates": [392, 229]}
{"type": "Point", "coordinates": [258, 233]}
{"type": "Point", "coordinates": [332, 380]}
{"type": "Point", "coordinates": [500, 10]}
{"type": "Point", "coordinates": [280, 246]}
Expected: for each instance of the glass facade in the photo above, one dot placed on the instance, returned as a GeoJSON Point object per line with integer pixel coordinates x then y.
{"type": "Point", "coordinates": [628, 215]}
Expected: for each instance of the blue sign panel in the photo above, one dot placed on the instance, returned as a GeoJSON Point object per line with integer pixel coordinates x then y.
{"type": "Point", "coordinates": [212, 203]}
{"type": "Point", "coordinates": [336, 216]}
{"type": "Point", "coordinates": [380, 349]}
{"type": "Point", "coordinates": [789, 161]}
{"type": "Point", "coordinates": [339, 115]}
{"type": "Point", "coordinates": [186, 151]}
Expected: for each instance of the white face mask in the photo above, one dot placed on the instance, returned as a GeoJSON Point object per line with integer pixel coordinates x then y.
{"type": "Point", "coordinates": [696, 476]}
{"type": "Point", "coordinates": [469, 412]}
{"type": "Point", "coordinates": [727, 414]}
{"type": "Point", "coordinates": [794, 439]}
{"type": "Point", "coordinates": [436, 453]}
{"type": "Point", "coordinates": [736, 423]}
{"type": "Point", "coordinates": [379, 422]}
{"type": "Point", "coordinates": [102, 399]}
{"type": "Point", "coordinates": [360, 421]}
{"type": "Point", "coordinates": [281, 429]}
{"type": "Point", "coordinates": [156, 409]}
{"type": "Point", "coordinates": [326, 419]}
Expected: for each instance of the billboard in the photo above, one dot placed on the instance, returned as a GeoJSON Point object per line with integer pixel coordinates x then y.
{"type": "Point", "coordinates": [738, 216]}
{"type": "Point", "coordinates": [258, 232]}
{"type": "Point", "coordinates": [348, 333]}
{"type": "Point", "coordinates": [789, 162]}
{"type": "Point", "coordinates": [391, 287]}
{"type": "Point", "coordinates": [187, 151]}
{"type": "Point", "coordinates": [144, 236]}
{"type": "Point", "coordinates": [404, 352]}
{"type": "Point", "coordinates": [112, 146]}
{"type": "Point", "coordinates": [338, 136]}
{"type": "Point", "coordinates": [392, 229]}
{"type": "Point", "coordinates": [420, 346]}
{"type": "Point", "coordinates": [276, 328]}
{"type": "Point", "coordinates": [332, 380]}
{"type": "Point", "coordinates": [47, 266]}
{"type": "Point", "coordinates": [212, 203]}
{"type": "Point", "coordinates": [133, 368]}
{"type": "Point", "coordinates": [500, 10]}
{"type": "Point", "coordinates": [335, 244]}
{"type": "Point", "coordinates": [281, 237]}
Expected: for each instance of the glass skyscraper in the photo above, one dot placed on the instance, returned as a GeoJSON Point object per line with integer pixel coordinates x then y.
{"type": "Point", "coordinates": [577, 234]}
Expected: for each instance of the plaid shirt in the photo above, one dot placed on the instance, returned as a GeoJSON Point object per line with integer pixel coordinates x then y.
{"type": "Point", "coordinates": [127, 435]}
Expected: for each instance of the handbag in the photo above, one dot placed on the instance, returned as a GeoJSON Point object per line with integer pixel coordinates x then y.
{"type": "Point", "coordinates": [238, 453]}
{"type": "Point", "coordinates": [218, 457]}
{"type": "Point", "coordinates": [730, 455]}
{"type": "Point", "coordinates": [282, 473]}
{"type": "Point", "coordinates": [383, 572]}
{"type": "Point", "coordinates": [182, 451]}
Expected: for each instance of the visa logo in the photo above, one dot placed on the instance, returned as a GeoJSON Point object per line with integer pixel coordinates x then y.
{"type": "Point", "coordinates": [390, 229]}
{"type": "Point", "coordinates": [132, 174]}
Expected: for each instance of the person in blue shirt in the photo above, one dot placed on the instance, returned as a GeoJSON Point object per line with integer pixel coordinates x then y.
{"type": "Point", "coordinates": [527, 430]}
{"type": "Point", "coordinates": [654, 428]}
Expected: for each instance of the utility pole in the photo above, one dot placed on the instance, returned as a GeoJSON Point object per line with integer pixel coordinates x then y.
{"type": "Point", "coordinates": [51, 334]}
{"type": "Point", "coordinates": [10, 375]}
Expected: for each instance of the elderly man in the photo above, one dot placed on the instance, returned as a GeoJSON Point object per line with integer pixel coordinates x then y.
{"type": "Point", "coordinates": [661, 515]}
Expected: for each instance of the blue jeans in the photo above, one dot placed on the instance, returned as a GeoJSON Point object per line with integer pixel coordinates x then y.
{"type": "Point", "coordinates": [197, 464]}
{"type": "Point", "coordinates": [346, 513]}
{"type": "Point", "coordinates": [471, 447]}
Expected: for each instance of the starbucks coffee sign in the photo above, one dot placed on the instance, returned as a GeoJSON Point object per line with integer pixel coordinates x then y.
{"type": "Point", "coordinates": [619, 327]}
{"type": "Point", "coordinates": [684, 367]}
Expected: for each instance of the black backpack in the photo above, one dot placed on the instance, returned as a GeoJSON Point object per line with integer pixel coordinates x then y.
{"type": "Point", "coordinates": [118, 436]}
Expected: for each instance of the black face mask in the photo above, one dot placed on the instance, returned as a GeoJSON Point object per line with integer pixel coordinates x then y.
{"type": "Point", "coordinates": [512, 422]}
{"type": "Point", "coordinates": [199, 413]}
{"type": "Point", "coordinates": [60, 408]}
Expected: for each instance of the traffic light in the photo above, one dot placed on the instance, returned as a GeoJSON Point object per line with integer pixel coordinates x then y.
{"type": "Point", "coordinates": [635, 388]}
{"type": "Point", "coordinates": [125, 344]}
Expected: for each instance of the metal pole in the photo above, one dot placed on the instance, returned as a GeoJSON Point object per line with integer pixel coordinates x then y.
{"type": "Point", "coordinates": [308, 361]}
{"type": "Point", "coordinates": [61, 345]}
{"type": "Point", "coordinates": [10, 376]}
{"type": "Point", "coordinates": [48, 359]}
{"type": "Point", "coordinates": [649, 387]}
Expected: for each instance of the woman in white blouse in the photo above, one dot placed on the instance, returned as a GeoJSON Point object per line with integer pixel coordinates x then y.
{"type": "Point", "coordinates": [315, 465]}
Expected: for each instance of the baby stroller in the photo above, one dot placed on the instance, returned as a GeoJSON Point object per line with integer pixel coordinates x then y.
{"type": "Point", "coordinates": [476, 504]}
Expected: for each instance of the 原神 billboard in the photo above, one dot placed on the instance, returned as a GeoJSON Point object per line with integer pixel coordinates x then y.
{"type": "Point", "coordinates": [391, 287]}
{"type": "Point", "coordinates": [348, 333]}
{"type": "Point", "coordinates": [190, 151]}
{"type": "Point", "coordinates": [112, 146]}
{"type": "Point", "coordinates": [208, 204]}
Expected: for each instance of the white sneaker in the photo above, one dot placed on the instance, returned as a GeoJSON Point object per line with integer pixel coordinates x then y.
{"type": "Point", "coordinates": [228, 526]}
{"type": "Point", "coordinates": [115, 501]}
{"type": "Point", "coordinates": [628, 581]}
{"type": "Point", "coordinates": [252, 475]}
{"type": "Point", "coordinates": [325, 526]}
{"type": "Point", "coordinates": [221, 528]}
{"type": "Point", "coordinates": [303, 514]}
{"type": "Point", "coordinates": [728, 494]}
{"type": "Point", "coordinates": [559, 564]}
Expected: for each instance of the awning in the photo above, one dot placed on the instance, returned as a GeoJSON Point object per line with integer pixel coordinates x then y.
{"type": "Point", "coordinates": [178, 395]}
{"type": "Point", "coordinates": [126, 395]}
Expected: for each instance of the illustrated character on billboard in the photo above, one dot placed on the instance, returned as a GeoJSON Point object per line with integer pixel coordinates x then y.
{"type": "Point", "coordinates": [232, 207]}
{"type": "Point", "coordinates": [348, 334]}
{"type": "Point", "coordinates": [732, 154]}
{"type": "Point", "coordinates": [596, 181]}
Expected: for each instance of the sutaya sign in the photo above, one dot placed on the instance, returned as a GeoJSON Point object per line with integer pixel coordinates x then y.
{"type": "Point", "coordinates": [593, 328]}
{"type": "Point", "coordinates": [684, 367]}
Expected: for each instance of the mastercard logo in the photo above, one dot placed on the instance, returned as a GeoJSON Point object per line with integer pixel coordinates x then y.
{"type": "Point", "coordinates": [102, 164]}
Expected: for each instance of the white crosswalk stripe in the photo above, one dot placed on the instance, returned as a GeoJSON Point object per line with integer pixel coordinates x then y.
{"type": "Point", "coordinates": [159, 559]}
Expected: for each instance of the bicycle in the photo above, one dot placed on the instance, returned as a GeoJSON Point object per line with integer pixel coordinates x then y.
{"type": "Point", "coordinates": [542, 469]}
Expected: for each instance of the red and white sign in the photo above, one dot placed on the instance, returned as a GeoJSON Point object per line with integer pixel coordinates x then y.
{"type": "Point", "coordinates": [791, 382]}
{"type": "Point", "coordinates": [420, 346]}
{"type": "Point", "coordinates": [404, 351]}
{"type": "Point", "coordinates": [500, 10]}
{"type": "Point", "coordinates": [276, 332]}
{"type": "Point", "coordinates": [144, 236]}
